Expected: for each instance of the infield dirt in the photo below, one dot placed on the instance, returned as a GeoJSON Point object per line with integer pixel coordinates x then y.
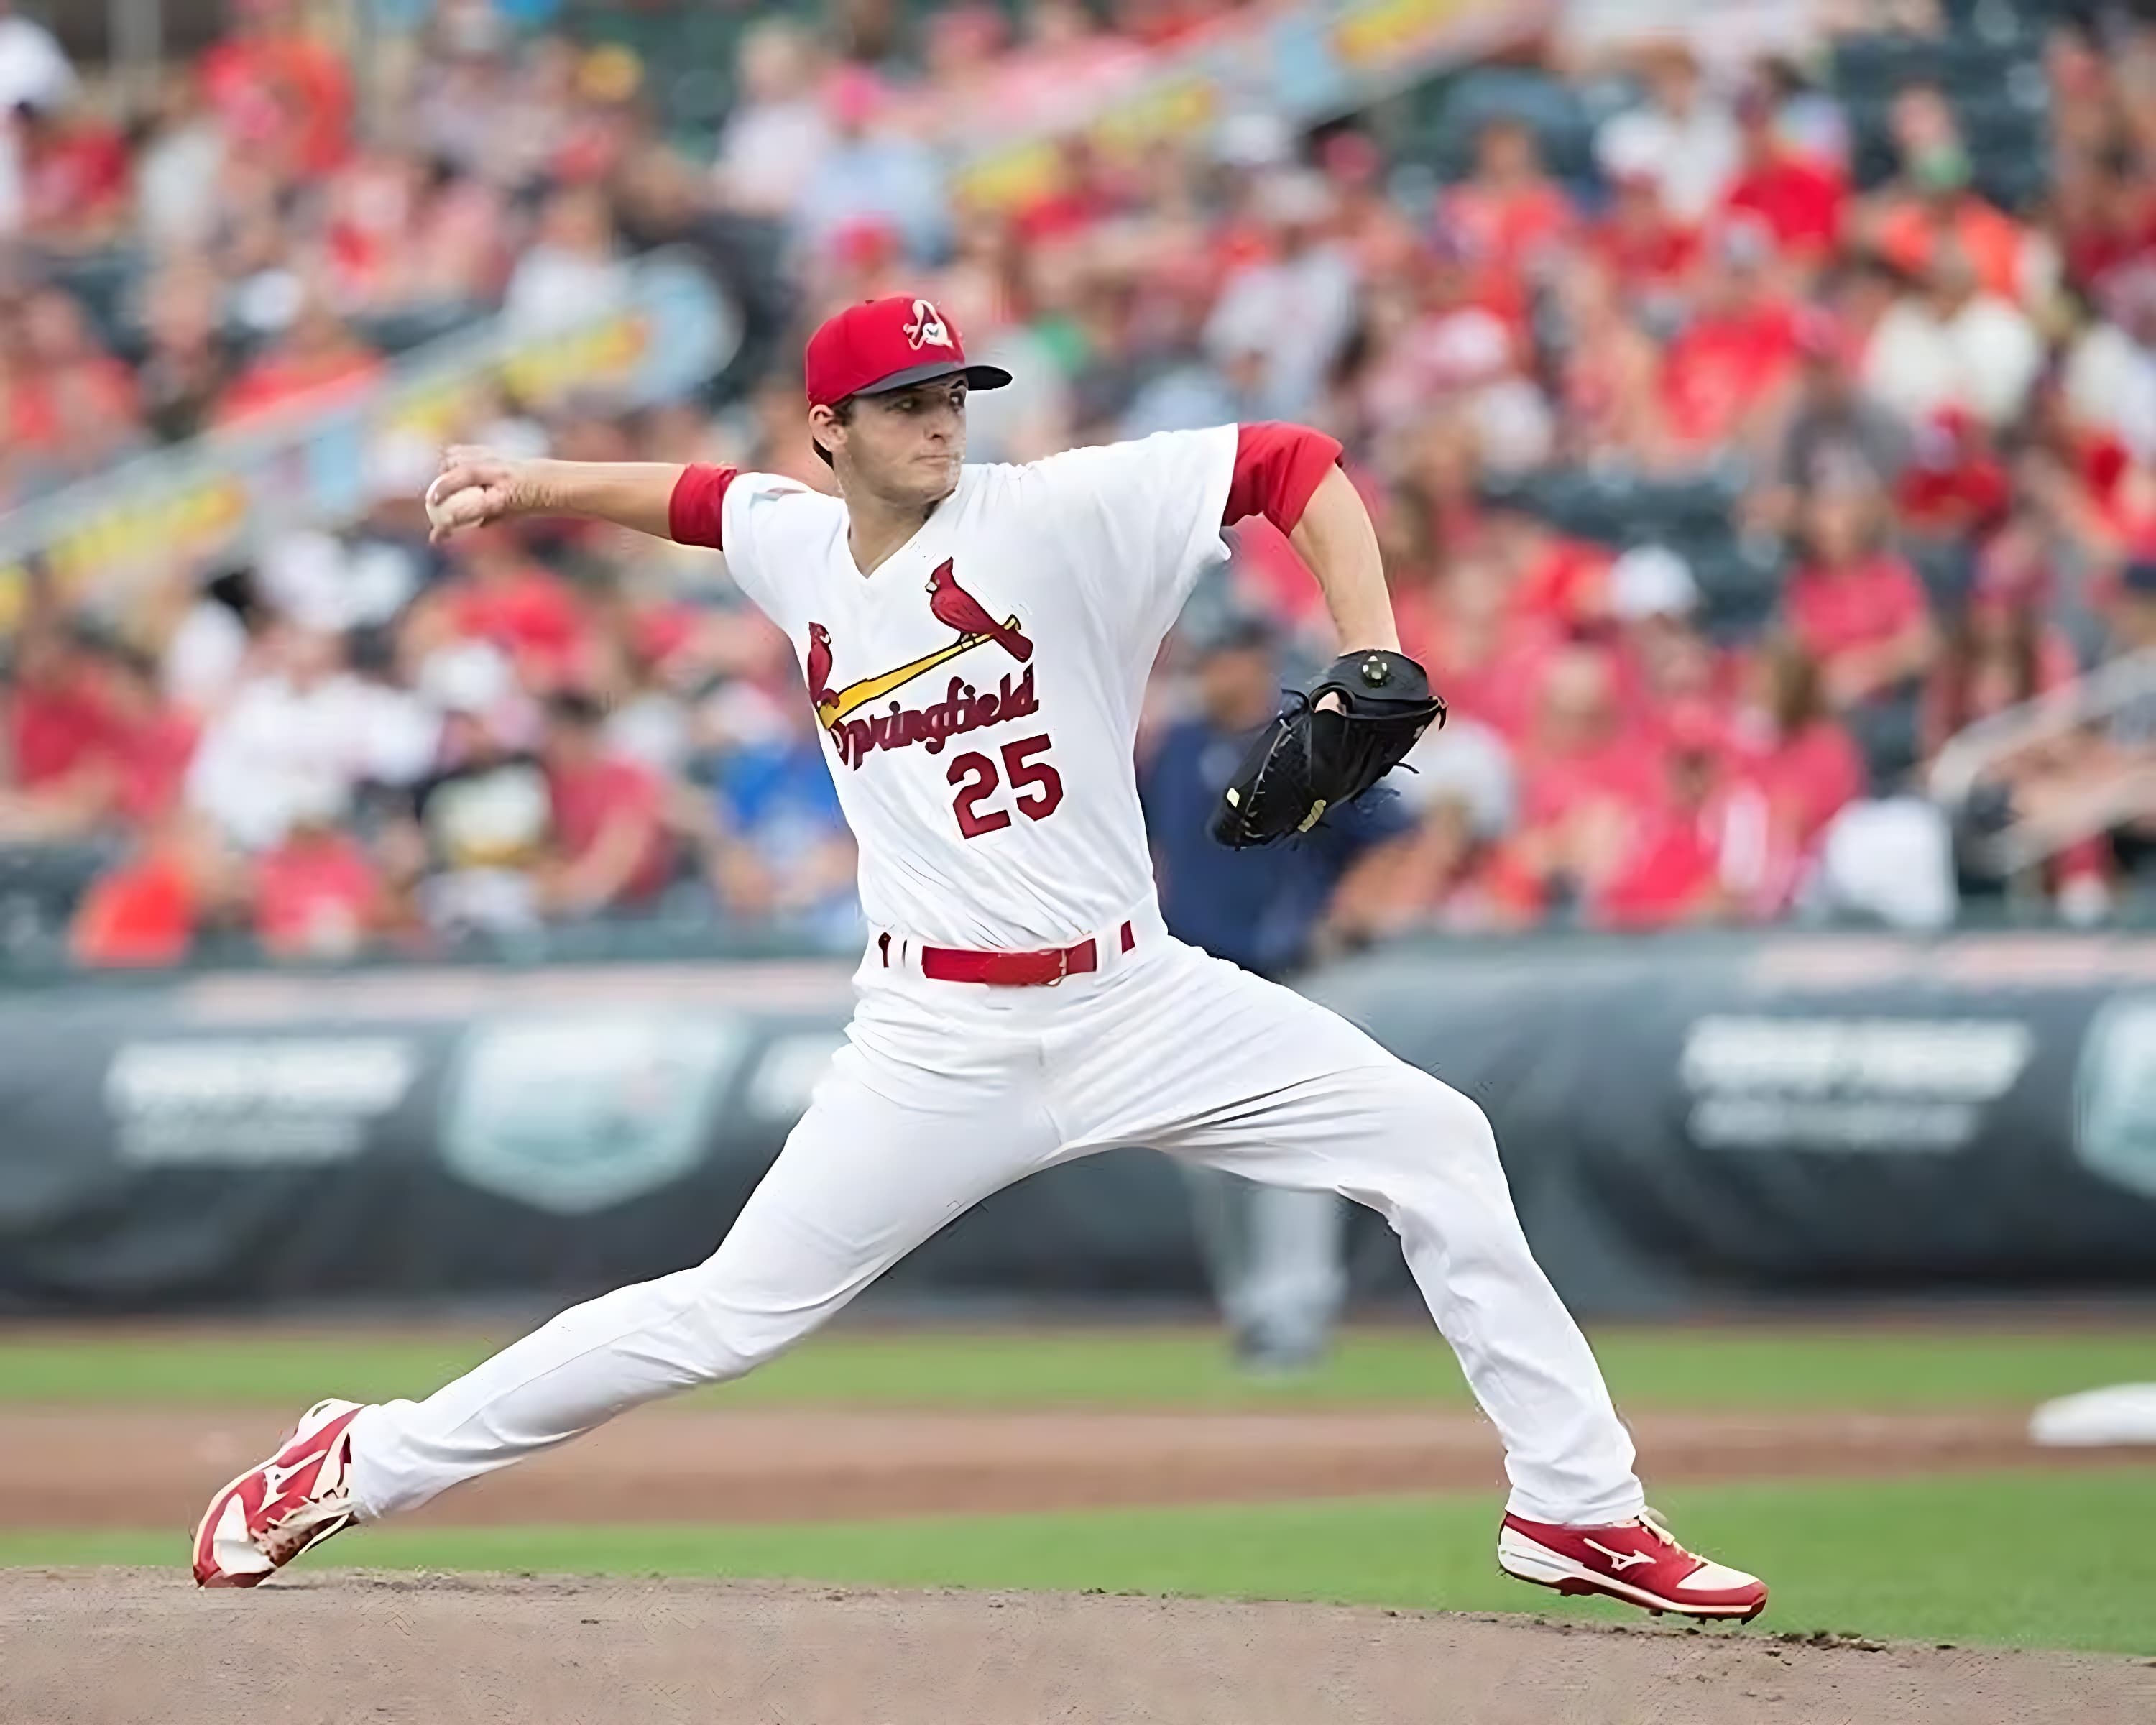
{"type": "Point", "coordinates": [101, 1647]}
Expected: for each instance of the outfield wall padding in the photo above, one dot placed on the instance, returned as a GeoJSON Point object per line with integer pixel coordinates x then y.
{"type": "Point", "coordinates": [1683, 1119]}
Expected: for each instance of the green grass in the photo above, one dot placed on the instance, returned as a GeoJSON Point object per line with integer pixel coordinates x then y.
{"type": "Point", "coordinates": [1729, 1367]}
{"type": "Point", "coordinates": [2061, 1560]}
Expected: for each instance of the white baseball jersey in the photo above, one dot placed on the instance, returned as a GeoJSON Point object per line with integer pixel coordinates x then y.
{"type": "Point", "coordinates": [980, 691]}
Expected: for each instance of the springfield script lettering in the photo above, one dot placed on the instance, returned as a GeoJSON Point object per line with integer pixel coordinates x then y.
{"type": "Point", "coordinates": [961, 709]}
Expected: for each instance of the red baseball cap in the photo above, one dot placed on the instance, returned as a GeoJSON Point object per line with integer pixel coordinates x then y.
{"type": "Point", "coordinates": [882, 344]}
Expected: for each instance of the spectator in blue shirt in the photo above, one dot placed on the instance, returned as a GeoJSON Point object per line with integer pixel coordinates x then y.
{"type": "Point", "coordinates": [783, 850]}
{"type": "Point", "coordinates": [871, 173]}
{"type": "Point", "coordinates": [1266, 910]}
{"type": "Point", "coordinates": [1275, 1257]}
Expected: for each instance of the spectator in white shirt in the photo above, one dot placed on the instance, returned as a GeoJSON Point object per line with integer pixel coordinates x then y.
{"type": "Point", "coordinates": [872, 173]}
{"type": "Point", "coordinates": [1953, 345]}
{"type": "Point", "coordinates": [573, 275]}
{"type": "Point", "coordinates": [301, 732]}
{"type": "Point", "coordinates": [1298, 305]}
{"type": "Point", "coordinates": [777, 133]}
{"type": "Point", "coordinates": [1685, 140]}
{"type": "Point", "coordinates": [33, 69]}
{"type": "Point", "coordinates": [177, 173]}
{"type": "Point", "coordinates": [34, 73]}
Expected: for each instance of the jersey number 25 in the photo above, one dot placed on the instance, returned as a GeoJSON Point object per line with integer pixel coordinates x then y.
{"type": "Point", "coordinates": [1036, 786]}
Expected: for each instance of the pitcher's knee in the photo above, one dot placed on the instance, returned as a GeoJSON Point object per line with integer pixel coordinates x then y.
{"type": "Point", "coordinates": [1431, 1112]}
{"type": "Point", "coordinates": [1437, 1142]}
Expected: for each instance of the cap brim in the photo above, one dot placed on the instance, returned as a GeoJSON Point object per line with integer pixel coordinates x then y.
{"type": "Point", "coordinates": [976, 377]}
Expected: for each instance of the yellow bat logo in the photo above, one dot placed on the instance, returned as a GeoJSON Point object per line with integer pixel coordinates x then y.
{"type": "Point", "coordinates": [855, 696]}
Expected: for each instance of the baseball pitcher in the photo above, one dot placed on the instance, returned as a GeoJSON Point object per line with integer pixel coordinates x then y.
{"type": "Point", "coordinates": [975, 640]}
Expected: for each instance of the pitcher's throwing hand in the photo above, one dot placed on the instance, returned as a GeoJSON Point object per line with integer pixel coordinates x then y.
{"type": "Point", "coordinates": [474, 488]}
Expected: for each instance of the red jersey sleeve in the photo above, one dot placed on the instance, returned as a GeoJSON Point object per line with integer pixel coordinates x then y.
{"type": "Point", "coordinates": [694, 513]}
{"type": "Point", "coordinates": [1277, 468]}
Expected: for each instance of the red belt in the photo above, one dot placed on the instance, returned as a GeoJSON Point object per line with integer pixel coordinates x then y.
{"type": "Point", "coordinates": [1012, 970]}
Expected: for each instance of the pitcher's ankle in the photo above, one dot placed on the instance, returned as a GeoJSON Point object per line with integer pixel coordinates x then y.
{"type": "Point", "coordinates": [1599, 1512]}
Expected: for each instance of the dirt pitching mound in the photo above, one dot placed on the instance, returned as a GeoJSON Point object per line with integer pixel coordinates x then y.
{"type": "Point", "coordinates": [123, 1647]}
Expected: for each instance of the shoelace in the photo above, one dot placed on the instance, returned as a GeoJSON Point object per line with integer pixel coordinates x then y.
{"type": "Point", "coordinates": [284, 1539]}
{"type": "Point", "coordinates": [1652, 1521]}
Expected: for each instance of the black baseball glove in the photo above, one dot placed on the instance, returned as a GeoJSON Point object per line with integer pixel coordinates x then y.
{"type": "Point", "coordinates": [1311, 759]}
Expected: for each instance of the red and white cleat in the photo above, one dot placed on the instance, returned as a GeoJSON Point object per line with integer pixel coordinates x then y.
{"type": "Point", "coordinates": [272, 1512]}
{"type": "Point", "coordinates": [1637, 1561]}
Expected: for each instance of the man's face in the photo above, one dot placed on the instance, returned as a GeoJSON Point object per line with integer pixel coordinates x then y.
{"type": "Point", "coordinates": [1236, 686]}
{"type": "Point", "coordinates": [1827, 384]}
{"type": "Point", "coordinates": [1507, 151]}
{"type": "Point", "coordinates": [570, 744]}
{"type": "Point", "coordinates": [310, 656]}
{"type": "Point", "coordinates": [1675, 85]}
{"type": "Point", "coordinates": [1691, 776]}
{"type": "Point", "coordinates": [905, 447]}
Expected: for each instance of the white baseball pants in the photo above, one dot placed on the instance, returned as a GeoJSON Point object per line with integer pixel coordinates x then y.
{"type": "Point", "coordinates": [948, 1092]}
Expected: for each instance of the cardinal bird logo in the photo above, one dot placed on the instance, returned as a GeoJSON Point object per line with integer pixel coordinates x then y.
{"type": "Point", "coordinates": [955, 607]}
{"type": "Point", "coordinates": [819, 664]}
{"type": "Point", "coordinates": [857, 732]}
{"type": "Point", "coordinates": [927, 329]}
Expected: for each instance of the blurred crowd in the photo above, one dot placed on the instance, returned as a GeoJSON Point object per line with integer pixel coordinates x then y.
{"type": "Point", "coordinates": [1883, 318]}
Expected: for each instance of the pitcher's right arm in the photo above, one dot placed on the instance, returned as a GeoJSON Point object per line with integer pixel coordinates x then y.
{"type": "Point", "coordinates": [478, 486]}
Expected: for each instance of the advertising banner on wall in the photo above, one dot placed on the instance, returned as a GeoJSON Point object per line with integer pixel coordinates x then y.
{"type": "Point", "coordinates": [1682, 1121]}
{"type": "Point", "coordinates": [1810, 1114]}
{"type": "Point", "coordinates": [443, 1133]}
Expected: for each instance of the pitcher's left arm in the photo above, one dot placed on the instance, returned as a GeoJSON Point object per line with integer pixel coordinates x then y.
{"type": "Point", "coordinates": [1291, 475]}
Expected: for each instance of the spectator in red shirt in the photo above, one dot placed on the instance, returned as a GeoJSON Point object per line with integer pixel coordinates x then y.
{"type": "Point", "coordinates": [75, 177]}
{"type": "Point", "coordinates": [1662, 661]}
{"type": "Point", "coordinates": [1695, 847]}
{"type": "Point", "coordinates": [1508, 209]}
{"type": "Point", "coordinates": [1794, 744]}
{"type": "Point", "coordinates": [144, 912]}
{"type": "Point", "coordinates": [1933, 202]}
{"type": "Point", "coordinates": [1856, 607]}
{"type": "Point", "coordinates": [1804, 763]}
{"type": "Point", "coordinates": [1586, 781]}
{"type": "Point", "coordinates": [1487, 659]}
{"type": "Point", "coordinates": [1955, 486]}
{"type": "Point", "coordinates": [503, 596]}
{"type": "Point", "coordinates": [317, 894]}
{"type": "Point", "coordinates": [2103, 214]}
{"type": "Point", "coordinates": [70, 388]}
{"type": "Point", "coordinates": [612, 846]}
{"type": "Point", "coordinates": [1610, 381]}
{"type": "Point", "coordinates": [284, 98]}
{"type": "Point", "coordinates": [2002, 650]}
{"type": "Point", "coordinates": [1649, 251]}
{"type": "Point", "coordinates": [153, 742]}
{"type": "Point", "coordinates": [63, 746]}
{"type": "Point", "coordinates": [1800, 200]}
{"type": "Point", "coordinates": [1554, 578]}
{"type": "Point", "coordinates": [317, 359]}
{"type": "Point", "coordinates": [1728, 367]}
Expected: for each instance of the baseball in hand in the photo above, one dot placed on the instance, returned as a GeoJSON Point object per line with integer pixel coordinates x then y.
{"type": "Point", "coordinates": [450, 506]}
{"type": "Point", "coordinates": [474, 486]}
